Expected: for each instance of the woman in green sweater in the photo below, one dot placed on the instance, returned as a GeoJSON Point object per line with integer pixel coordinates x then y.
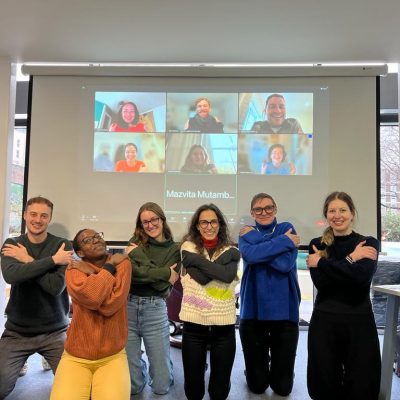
{"type": "Point", "coordinates": [154, 256]}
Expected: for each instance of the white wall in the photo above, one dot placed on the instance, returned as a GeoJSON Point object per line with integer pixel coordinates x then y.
{"type": "Point", "coordinates": [7, 106]}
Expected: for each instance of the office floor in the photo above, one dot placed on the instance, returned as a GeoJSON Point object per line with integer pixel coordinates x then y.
{"type": "Point", "coordinates": [36, 384]}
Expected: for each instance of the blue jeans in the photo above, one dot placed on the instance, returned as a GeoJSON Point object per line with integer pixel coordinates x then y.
{"type": "Point", "coordinates": [147, 320]}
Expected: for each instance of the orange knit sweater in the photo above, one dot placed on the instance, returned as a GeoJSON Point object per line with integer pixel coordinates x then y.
{"type": "Point", "coordinates": [99, 326]}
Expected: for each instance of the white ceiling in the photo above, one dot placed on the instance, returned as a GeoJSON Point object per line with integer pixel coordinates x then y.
{"type": "Point", "coordinates": [203, 31]}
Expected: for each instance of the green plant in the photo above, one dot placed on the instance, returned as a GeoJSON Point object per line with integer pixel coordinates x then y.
{"type": "Point", "coordinates": [391, 227]}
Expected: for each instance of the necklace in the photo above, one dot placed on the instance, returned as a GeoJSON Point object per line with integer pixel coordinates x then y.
{"type": "Point", "coordinates": [268, 233]}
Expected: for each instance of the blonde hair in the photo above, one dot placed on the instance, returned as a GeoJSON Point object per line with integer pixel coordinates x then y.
{"type": "Point", "coordinates": [327, 236]}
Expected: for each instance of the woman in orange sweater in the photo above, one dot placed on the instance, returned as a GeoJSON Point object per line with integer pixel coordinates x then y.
{"type": "Point", "coordinates": [94, 363]}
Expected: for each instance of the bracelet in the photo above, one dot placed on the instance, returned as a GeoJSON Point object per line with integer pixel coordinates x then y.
{"type": "Point", "coordinates": [349, 259]}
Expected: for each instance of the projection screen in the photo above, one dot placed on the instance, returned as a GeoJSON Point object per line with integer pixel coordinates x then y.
{"type": "Point", "coordinates": [81, 146]}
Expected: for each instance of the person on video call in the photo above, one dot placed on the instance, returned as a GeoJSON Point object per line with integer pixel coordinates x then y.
{"type": "Point", "coordinates": [276, 163]}
{"type": "Point", "coordinates": [203, 122]}
{"type": "Point", "coordinates": [276, 121]}
{"type": "Point", "coordinates": [127, 118]}
{"type": "Point", "coordinates": [130, 164]}
{"type": "Point", "coordinates": [198, 162]}
{"type": "Point", "coordinates": [102, 162]}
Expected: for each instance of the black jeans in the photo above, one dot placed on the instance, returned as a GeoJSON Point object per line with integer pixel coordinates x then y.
{"type": "Point", "coordinates": [269, 349]}
{"type": "Point", "coordinates": [222, 344]}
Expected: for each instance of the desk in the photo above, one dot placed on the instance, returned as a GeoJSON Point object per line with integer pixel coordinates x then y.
{"type": "Point", "coordinates": [392, 312]}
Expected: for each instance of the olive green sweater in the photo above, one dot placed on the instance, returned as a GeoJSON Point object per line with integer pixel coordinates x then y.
{"type": "Point", "coordinates": [151, 267]}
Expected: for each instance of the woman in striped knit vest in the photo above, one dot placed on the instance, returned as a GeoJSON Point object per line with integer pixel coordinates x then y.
{"type": "Point", "coordinates": [94, 364]}
{"type": "Point", "coordinates": [208, 310]}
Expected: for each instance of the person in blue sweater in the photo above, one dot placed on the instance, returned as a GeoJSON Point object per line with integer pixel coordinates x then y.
{"type": "Point", "coordinates": [270, 299]}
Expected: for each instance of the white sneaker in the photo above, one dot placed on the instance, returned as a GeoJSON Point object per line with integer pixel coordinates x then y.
{"type": "Point", "coordinates": [45, 365]}
{"type": "Point", "coordinates": [24, 369]}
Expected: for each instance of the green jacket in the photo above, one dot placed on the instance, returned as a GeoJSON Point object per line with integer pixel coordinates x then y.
{"type": "Point", "coordinates": [151, 267]}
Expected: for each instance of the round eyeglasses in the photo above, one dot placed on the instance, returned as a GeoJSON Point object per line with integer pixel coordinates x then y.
{"type": "Point", "coordinates": [90, 239]}
{"type": "Point", "coordinates": [154, 221]}
{"type": "Point", "coordinates": [204, 223]}
{"type": "Point", "coordinates": [259, 210]}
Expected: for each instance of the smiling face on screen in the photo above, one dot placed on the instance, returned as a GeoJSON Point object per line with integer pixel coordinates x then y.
{"type": "Point", "coordinates": [203, 108]}
{"type": "Point", "coordinates": [198, 157]}
{"type": "Point", "coordinates": [277, 156]}
{"type": "Point", "coordinates": [128, 113]}
{"type": "Point", "coordinates": [276, 111]}
{"type": "Point", "coordinates": [130, 153]}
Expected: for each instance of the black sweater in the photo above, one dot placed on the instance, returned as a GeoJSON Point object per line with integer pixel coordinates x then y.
{"type": "Point", "coordinates": [343, 287]}
{"type": "Point", "coordinates": [39, 301]}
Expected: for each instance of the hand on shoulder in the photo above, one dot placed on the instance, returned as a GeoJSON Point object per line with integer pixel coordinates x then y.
{"type": "Point", "coordinates": [245, 229]}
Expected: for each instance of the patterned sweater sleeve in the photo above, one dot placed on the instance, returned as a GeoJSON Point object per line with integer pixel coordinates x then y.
{"type": "Point", "coordinates": [223, 268]}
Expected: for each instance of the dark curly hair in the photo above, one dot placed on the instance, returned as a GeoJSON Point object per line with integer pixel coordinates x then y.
{"type": "Point", "coordinates": [121, 122]}
{"type": "Point", "coordinates": [194, 235]}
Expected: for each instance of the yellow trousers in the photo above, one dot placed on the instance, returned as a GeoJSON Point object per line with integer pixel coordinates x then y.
{"type": "Point", "coordinates": [80, 379]}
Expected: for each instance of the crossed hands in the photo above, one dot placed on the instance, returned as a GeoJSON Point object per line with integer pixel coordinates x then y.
{"type": "Point", "coordinates": [294, 238]}
{"type": "Point", "coordinates": [174, 275]}
{"type": "Point", "coordinates": [88, 269]}
{"type": "Point", "coordinates": [129, 248]}
{"type": "Point", "coordinates": [312, 259]}
{"type": "Point", "coordinates": [245, 229]}
{"type": "Point", "coordinates": [362, 251]}
{"type": "Point", "coordinates": [63, 257]}
{"type": "Point", "coordinates": [17, 251]}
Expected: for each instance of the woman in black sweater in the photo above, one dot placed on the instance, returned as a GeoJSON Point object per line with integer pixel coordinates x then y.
{"type": "Point", "coordinates": [343, 347]}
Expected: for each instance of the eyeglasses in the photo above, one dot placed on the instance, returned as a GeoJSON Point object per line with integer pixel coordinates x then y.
{"type": "Point", "coordinates": [90, 239]}
{"type": "Point", "coordinates": [204, 223]}
{"type": "Point", "coordinates": [154, 221]}
{"type": "Point", "coordinates": [259, 210]}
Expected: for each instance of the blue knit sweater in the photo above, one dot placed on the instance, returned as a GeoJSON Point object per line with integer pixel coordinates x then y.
{"type": "Point", "coordinates": [269, 289]}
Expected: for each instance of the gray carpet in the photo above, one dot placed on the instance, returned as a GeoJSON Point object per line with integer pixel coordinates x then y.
{"type": "Point", "coordinates": [36, 384]}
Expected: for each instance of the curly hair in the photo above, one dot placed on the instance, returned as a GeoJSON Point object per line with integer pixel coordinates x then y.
{"type": "Point", "coordinates": [121, 122]}
{"type": "Point", "coordinates": [194, 235]}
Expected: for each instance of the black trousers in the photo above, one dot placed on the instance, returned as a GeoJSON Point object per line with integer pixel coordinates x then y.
{"type": "Point", "coordinates": [343, 357]}
{"type": "Point", "coordinates": [269, 349]}
{"type": "Point", "coordinates": [222, 344]}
